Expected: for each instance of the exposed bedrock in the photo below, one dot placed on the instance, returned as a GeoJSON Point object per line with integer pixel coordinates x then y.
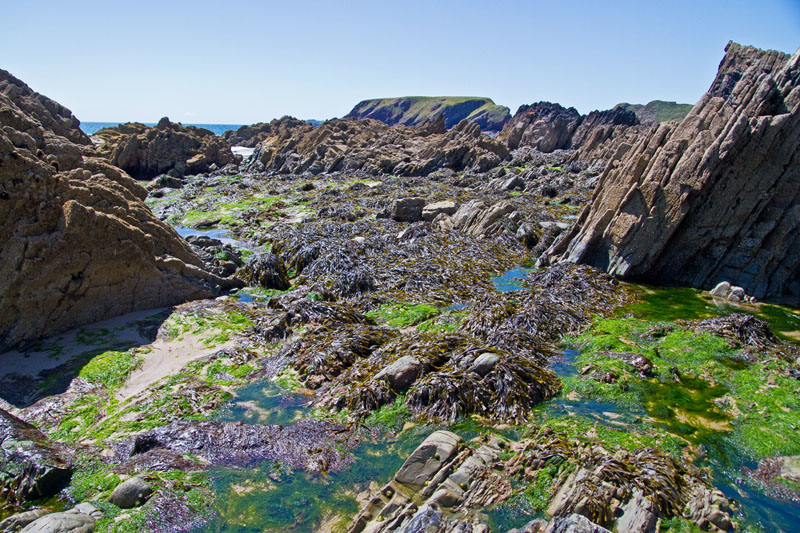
{"type": "Point", "coordinates": [375, 148]}
{"type": "Point", "coordinates": [167, 148]}
{"type": "Point", "coordinates": [546, 126]}
{"type": "Point", "coordinates": [716, 197]}
{"type": "Point", "coordinates": [78, 243]}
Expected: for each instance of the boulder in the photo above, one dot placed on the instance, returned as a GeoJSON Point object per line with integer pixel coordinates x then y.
{"type": "Point", "coordinates": [484, 363]}
{"type": "Point", "coordinates": [400, 374]}
{"type": "Point", "coordinates": [131, 493]}
{"type": "Point", "coordinates": [407, 209]}
{"type": "Point", "coordinates": [575, 523]}
{"type": "Point", "coordinates": [432, 210]}
{"type": "Point", "coordinates": [18, 521]}
{"type": "Point", "coordinates": [78, 242]}
{"type": "Point", "coordinates": [61, 523]}
{"type": "Point", "coordinates": [639, 514]}
{"type": "Point", "coordinates": [428, 458]}
{"type": "Point", "coordinates": [31, 465]}
{"type": "Point", "coordinates": [714, 197]}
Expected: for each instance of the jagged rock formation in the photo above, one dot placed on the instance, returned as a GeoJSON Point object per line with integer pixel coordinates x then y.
{"type": "Point", "coordinates": [250, 136]}
{"type": "Point", "coordinates": [546, 127]}
{"type": "Point", "coordinates": [658, 111]}
{"type": "Point", "coordinates": [414, 110]}
{"type": "Point", "coordinates": [168, 148]}
{"type": "Point", "coordinates": [710, 199]}
{"type": "Point", "coordinates": [77, 241]}
{"type": "Point", "coordinates": [375, 148]}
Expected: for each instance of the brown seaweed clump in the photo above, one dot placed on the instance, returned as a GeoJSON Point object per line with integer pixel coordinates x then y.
{"type": "Point", "coordinates": [445, 377]}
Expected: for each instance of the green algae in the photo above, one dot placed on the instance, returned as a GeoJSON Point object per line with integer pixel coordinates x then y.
{"type": "Point", "coordinates": [403, 314]}
{"type": "Point", "coordinates": [110, 369]}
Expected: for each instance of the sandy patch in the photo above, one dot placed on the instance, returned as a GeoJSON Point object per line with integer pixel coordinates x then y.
{"type": "Point", "coordinates": [167, 358]}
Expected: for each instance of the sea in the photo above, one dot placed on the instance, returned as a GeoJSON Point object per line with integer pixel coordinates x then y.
{"type": "Point", "coordinates": [89, 128]}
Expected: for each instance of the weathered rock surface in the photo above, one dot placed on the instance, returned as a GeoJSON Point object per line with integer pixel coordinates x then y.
{"type": "Point", "coordinates": [130, 493]}
{"type": "Point", "coordinates": [62, 523]}
{"type": "Point", "coordinates": [714, 197]}
{"type": "Point", "coordinates": [167, 148]}
{"type": "Point", "coordinates": [31, 466]}
{"type": "Point", "coordinates": [250, 136]}
{"type": "Point", "coordinates": [18, 521]}
{"type": "Point", "coordinates": [546, 127]}
{"type": "Point", "coordinates": [375, 148]}
{"type": "Point", "coordinates": [77, 240]}
{"type": "Point", "coordinates": [414, 110]}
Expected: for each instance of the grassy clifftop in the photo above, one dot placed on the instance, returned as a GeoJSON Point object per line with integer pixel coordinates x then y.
{"type": "Point", "coordinates": [658, 110]}
{"type": "Point", "coordinates": [413, 110]}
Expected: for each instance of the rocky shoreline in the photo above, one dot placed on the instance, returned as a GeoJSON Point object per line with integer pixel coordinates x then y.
{"type": "Point", "coordinates": [355, 336]}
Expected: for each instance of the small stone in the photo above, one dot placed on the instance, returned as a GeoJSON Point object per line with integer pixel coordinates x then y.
{"type": "Point", "coordinates": [484, 363]}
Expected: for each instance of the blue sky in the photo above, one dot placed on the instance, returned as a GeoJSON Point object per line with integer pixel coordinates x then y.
{"type": "Point", "coordinates": [243, 62]}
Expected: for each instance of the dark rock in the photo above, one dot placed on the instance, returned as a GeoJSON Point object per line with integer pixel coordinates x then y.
{"type": "Point", "coordinates": [417, 110]}
{"type": "Point", "coordinates": [31, 466]}
{"type": "Point", "coordinates": [131, 493]}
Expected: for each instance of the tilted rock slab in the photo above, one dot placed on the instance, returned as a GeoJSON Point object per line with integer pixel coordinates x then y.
{"type": "Point", "coordinates": [78, 244]}
{"type": "Point", "coordinates": [716, 197]}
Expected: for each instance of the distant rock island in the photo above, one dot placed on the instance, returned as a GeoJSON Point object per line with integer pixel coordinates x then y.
{"type": "Point", "coordinates": [658, 111]}
{"type": "Point", "coordinates": [414, 110]}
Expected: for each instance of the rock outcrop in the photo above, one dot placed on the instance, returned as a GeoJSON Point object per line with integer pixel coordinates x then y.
{"type": "Point", "coordinates": [78, 242]}
{"type": "Point", "coordinates": [712, 198]}
{"type": "Point", "coordinates": [374, 148]}
{"type": "Point", "coordinates": [414, 110]}
{"type": "Point", "coordinates": [144, 152]}
{"type": "Point", "coordinates": [250, 136]}
{"type": "Point", "coordinates": [546, 127]}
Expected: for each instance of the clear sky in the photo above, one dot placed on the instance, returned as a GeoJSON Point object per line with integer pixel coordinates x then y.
{"type": "Point", "coordinates": [238, 62]}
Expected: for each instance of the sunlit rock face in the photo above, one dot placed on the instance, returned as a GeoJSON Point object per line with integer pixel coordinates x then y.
{"type": "Point", "coordinates": [78, 243]}
{"type": "Point", "coordinates": [713, 198]}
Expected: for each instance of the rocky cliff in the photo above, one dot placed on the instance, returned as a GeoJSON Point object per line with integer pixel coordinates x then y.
{"type": "Point", "coordinates": [414, 110]}
{"type": "Point", "coordinates": [546, 126]}
{"type": "Point", "coordinates": [375, 148]}
{"type": "Point", "coordinates": [77, 242]}
{"type": "Point", "coordinates": [716, 197]}
{"type": "Point", "coordinates": [167, 148]}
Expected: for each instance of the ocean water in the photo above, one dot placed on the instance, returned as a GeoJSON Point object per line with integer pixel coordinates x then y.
{"type": "Point", "coordinates": [89, 128]}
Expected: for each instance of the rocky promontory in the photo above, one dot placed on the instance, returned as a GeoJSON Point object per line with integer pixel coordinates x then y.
{"type": "Point", "coordinates": [250, 136]}
{"type": "Point", "coordinates": [145, 152]}
{"type": "Point", "coordinates": [414, 110]}
{"type": "Point", "coordinates": [710, 199]}
{"type": "Point", "coordinates": [77, 240]}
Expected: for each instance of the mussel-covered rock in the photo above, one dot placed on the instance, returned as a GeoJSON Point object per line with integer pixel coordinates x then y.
{"type": "Point", "coordinates": [265, 270]}
{"type": "Point", "coordinates": [31, 466]}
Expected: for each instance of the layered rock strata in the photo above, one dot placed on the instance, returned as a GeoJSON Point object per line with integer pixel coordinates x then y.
{"type": "Point", "coordinates": [78, 243]}
{"type": "Point", "coordinates": [546, 127]}
{"type": "Point", "coordinates": [710, 199]}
